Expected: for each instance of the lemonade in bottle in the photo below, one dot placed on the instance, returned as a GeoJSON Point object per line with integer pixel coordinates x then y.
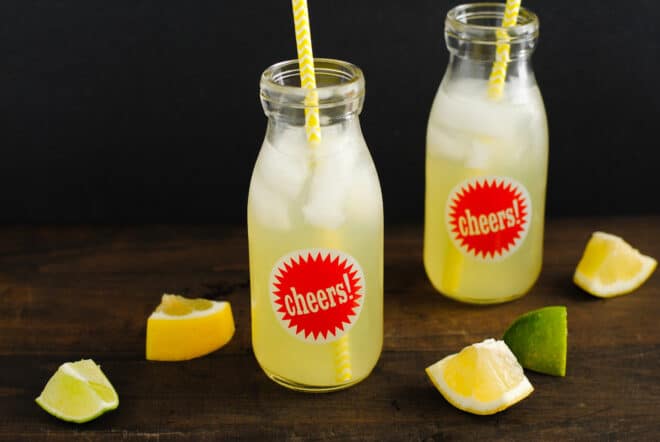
{"type": "Point", "coordinates": [315, 226]}
{"type": "Point", "coordinates": [486, 160]}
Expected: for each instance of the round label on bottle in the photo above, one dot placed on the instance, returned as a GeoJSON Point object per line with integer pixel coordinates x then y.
{"type": "Point", "coordinates": [317, 294]}
{"type": "Point", "coordinates": [488, 217]}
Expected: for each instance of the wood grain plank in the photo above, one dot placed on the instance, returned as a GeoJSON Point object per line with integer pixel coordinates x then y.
{"type": "Point", "coordinates": [73, 292]}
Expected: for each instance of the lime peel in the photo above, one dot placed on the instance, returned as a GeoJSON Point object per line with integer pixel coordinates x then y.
{"type": "Point", "coordinates": [78, 392]}
{"type": "Point", "coordinates": [539, 340]}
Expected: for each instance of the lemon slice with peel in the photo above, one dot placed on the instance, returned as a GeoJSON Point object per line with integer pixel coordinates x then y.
{"type": "Point", "coordinates": [483, 378]}
{"type": "Point", "coordinates": [612, 267]}
{"type": "Point", "coordinates": [182, 328]}
{"type": "Point", "coordinates": [78, 392]}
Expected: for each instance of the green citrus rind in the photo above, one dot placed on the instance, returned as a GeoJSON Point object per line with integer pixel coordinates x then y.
{"type": "Point", "coordinates": [78, 392]}
{"type": "Point", "coordinates": [539, 340]}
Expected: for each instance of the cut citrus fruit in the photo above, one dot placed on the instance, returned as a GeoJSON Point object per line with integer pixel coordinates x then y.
{"type": "Point", "coordinates": [538, 339]}
{"type": "Point", "coordinates": [612, 267]}
{"type": "Point", "coordinates": [78, 392]}
{"type": "Point", "coordinates": [182, 328]}
{"type": "Point", "coordinates": [483, 378]}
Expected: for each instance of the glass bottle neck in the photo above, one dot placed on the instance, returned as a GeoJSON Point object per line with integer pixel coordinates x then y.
{"type": "Point", "coordinates": [476, 38]}
{"type": "Point", "coordinates": [334, 131]}
{"type": "Point", "coordinates": [339, 93]}
{"type": "Point", "coordinates": [291, 117]}
{"type": "Point", "coordinates": [519, 71]}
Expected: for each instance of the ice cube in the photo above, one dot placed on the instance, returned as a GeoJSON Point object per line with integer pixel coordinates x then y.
{"type": "Point", "coordinates": [270, 208]}
{"type": "Point", "coordinates": [441, 141]}
{"type": "Point", "coordinates": [285, 173]}
{"type": "Point", "coordinates": [466, 108]}
{"type": "Point", "coordinates": [330, 182]}
{"type": "Point", "coordinates": [364, 199]}
{"type": "Point", "coordinates": [467, 126]}
{"type": "Point", "coordinates": [479, 155]}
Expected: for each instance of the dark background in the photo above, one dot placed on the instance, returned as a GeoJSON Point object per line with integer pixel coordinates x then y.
{"type": "Point", "coordinates": [136, 111]}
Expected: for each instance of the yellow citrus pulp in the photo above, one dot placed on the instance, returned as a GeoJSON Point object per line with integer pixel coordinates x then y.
{"type": "Point", "coordinates": [483, 378]}
{"type": "Point", "coordinates": [182, 328]}
{"type": "Point", "coordinates": [611, 267]}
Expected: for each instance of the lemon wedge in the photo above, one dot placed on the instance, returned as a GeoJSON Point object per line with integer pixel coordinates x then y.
{"type": "Point", "coordinates": [612, 267]}
{"type": "Point", "coordinates": [182, 328]}
{"type": "Point", "coordinates": [483, 378]}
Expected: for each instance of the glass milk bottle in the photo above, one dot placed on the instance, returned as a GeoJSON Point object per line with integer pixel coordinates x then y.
{"type": "Point", "coordinates": [315, 228]}
{"type": "Point", "coordinates": [486, 162]}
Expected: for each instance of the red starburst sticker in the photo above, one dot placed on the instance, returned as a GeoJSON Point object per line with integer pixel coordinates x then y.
{"type": "Point", "coordinates": [488, 217]}
{"type": "Point", "coordinates": [317, 294]}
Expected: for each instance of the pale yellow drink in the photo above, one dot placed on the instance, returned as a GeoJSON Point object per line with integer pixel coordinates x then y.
{"type": "Point", "coordinates": [470, 136]}
{"type": "Point", "coordinates": [307, 200]}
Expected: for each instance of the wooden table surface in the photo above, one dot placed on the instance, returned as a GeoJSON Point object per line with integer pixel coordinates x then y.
{"type": "Point", "coordinates": [85, 292]}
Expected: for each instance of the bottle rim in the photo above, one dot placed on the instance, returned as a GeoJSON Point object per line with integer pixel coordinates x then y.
{"type": "Point", "coordinates": [338, 82]}
{"type": "Point", "coordinates": [464, 22]}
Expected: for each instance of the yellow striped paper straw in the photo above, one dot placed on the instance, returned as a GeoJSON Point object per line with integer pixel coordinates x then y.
{"type": "Point", "coordinates": [452, 273]}
{"type": "Point", "coordinates": [343, 369]}
{"type": "Point", "coordinates": [341, 347]}
{"type": "Point", "coordinates": [306, 64]}
{"type": "Point", "coordinates": [498, 72]}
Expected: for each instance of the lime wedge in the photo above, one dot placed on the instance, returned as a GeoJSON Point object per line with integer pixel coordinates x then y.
{"type": "Point", "coordinates": [538, 339]}
{"type": "Point", "coordinates": [78, 392]}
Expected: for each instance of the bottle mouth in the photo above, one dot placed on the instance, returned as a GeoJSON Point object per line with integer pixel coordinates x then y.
{"type": "Point", "coordinates": [482, 23]}
{"type": "Point", "coordinates": [337, 83]}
